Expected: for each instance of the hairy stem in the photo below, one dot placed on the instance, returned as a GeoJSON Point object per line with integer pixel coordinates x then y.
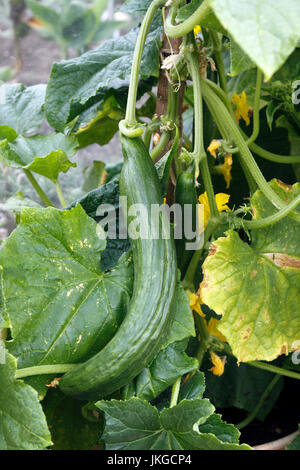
{"type": "Point", "coordinates": [38, 189]}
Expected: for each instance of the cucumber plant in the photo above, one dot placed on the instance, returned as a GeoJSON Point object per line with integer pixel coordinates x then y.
{"type": "Point", "coordinates": [124, 331]}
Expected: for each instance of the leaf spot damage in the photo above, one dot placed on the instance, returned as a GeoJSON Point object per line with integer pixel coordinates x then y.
{"type": "Point", "coordinates": [283, 261]}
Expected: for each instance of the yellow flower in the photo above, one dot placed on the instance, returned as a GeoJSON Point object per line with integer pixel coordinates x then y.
{"type": "Point", "coordinates": [218, 363]}
{"type": "Point", "coordinates": [197, 30]}
{"type": "Point", "coordinates": [225, 169]}
{"type": "Point", "coordinates": [213, 330]}
{"type": "Point", "coordinates": [214, 147]}
{"type": "Point", "coordinates": [221, 201]}
{"type": "Point", "coordinates": [241, 107]}
{"type": "Point", "coordinates": [195, 303]}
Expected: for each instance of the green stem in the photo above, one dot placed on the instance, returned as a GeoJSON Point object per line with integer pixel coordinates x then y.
{"type": "Point", "coordinates": [60, 195]}
{"type": "Point", "coordinates": [204, 338]}
{"type": "Point", "coordinates": [275, 369]}
{"type": "Point", "coordinates": [42, 370]}
{"type": "Point", "coordinates": [259, 405]}
{"type": "Point", "coordinates": [256, 120]}
{"type": "Point", "coordinates": [188, 281]}
{"type": "Point", "coordinates": [215, 103]}
{"type": "Point", "coordinates": [152, 127]}
{"type": "Point", "coordinates": [273, 157]}
{"type": "Point", "coordinates": [38, 189]}
{"type": "Point", "coordinates": [175, 393]}
{"type": "Point", "coordinates": [160, 147]}
{"type": "Point", "coordinates": [129, 125]}
{"type": "Point", "coordinates": [199, 152]}
{"type": "Point", "coordinates": [182, 29]}
{"type": "Point", "coordinates": [272, 219]}
{"type": "Point", "coordinates": [170, 120]}
{"type": "Point", "coordinates": [217, 49]}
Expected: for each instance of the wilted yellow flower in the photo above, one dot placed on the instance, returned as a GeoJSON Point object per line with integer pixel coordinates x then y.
{"type": "Point", "coordinates": [221, 201]}
{"type": "Point", "coordinates": [195, 303]}
{"type": "Point", "coordinates": [218, 363]}
{"type": "Point", "coordinates": [197, 30]}
{"type": "Point", "coordinates": [214, 147]}
{"type": "Point", "coordinates": [241, 107]}
{"type": "Point", "coordinates": [213, 330]}
{"type": "Point", "coordinates": [225, 169]}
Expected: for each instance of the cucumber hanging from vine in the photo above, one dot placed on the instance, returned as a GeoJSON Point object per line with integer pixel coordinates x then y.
{"type": "Point", "coordinates": [140, 336]}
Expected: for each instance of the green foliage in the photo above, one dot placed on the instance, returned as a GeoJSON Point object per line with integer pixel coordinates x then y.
{"type": "Point", "coordinates": [252, 299]}
{"type": "Point", "coordinates": [67, 289]}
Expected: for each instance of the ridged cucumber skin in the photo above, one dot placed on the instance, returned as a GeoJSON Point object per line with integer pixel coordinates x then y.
{"type": "Point", "coordinates": [185, 193]}
{"type": "Point", "coordinates": [143, 330]}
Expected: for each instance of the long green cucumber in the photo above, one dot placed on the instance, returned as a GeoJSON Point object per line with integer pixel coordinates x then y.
{"type": "Point", "coordinates": [142, 332]}
{"type": "Point", "coordinates": [185, 194]}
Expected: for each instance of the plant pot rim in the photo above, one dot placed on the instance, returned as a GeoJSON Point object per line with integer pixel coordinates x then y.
{"type": "Point", "coordinates": [279, 444]}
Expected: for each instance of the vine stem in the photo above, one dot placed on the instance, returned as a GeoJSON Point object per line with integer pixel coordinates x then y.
{"type": "Point", "coordinates": [38, 189]}
{"type": "Point", "coordinates": [204, 338]}
{"type": "Point", "coordinates": [60, 195]}
{"type": "Point", "coordinates": [188, 281]}
{"type": "Point", "coordinates": [217, 49]}
{"type": "Point", "coordinates": [259, 405]}
{"type": "Point", "coordinates": [42, 370]}
{"type": "Point", "coordinates": [175, 393]}
{"type": "Point", "coordinates": [199, 152]}
{"type": "Point", "coordinates": [129, 125]}
{"type": "Point", "coordinates": [275, 369]}
{"type": "Point", "coordinates": [273, 157]}
{"type": "Point", "coordinates": [182, 29]}
{"type": "Point", "coordinates": [272, 219]}
{"type": "Point", "coordinates": [248, 159]}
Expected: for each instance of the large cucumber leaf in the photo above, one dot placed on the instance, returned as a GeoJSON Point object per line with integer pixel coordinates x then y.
{"type": "Point", "coordinates": [256, 287]}
{"type": "Point", "coordinates": [267, 31]}
{"type": "Point", "coordinates": [47, 155]}
{"type": "Point", "coordinates": [22, 421]}
{"type": "Point", "coordinates": [22, 108]}
{"type": "Point", "coordinates": [76, 85]}
{"type": "Point", "coordinates": [62, 307]}
{"type": "Point", "coordinates": [191, 425]}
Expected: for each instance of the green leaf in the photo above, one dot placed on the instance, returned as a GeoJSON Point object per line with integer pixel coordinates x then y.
{"type": "Point", "coordinates": [22, 421]}
{"type": "Point", "coordinates": [8, 133]}
{"type": "Point", "coordinates": [17, 202]}
{"type": "Point", "coordinates": [267, 31]}
{"type": "Point", "coordinates": [107, 194]}
{"type": "Point", "coordinates": [93, 176]}
{"type": "Point", "coordinates": [50, 17]}
{"type": "Point", "coordinates": [209, 21]}
{"type": "Point", "coordinates": [256, 288]}
{"type": "Point", "coordinates": [62, 307]}
{"type": "Point", "coordinates": [134, 424]}
{"type": "Point", "coordinates": [295, 444]}
{"type": "Point", "coordinates": [46, 155]}
{"type": "Point", "coordinates": [79, 83]}
{"type": "Point", "coordinates": [78, 24]}
{"type": "Point", "coordinates": [241, 387]}
{"type": "Point", "coordinates": [271, 110]}
{"type": "Point", "coordinates": [102, 127]}
{"type": "Point", "coordinates": [22, 108]}
{"type": "Point", "coordinates": [69, 429]}
{"type": "Point", "coordinates": [183, 323]}
{"type": "Point", "coordinates": [136, 7]}
{"type": "Point", "coordinates": [170, 364]}
{"type": "Point", "coordinates": [240, 62]}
